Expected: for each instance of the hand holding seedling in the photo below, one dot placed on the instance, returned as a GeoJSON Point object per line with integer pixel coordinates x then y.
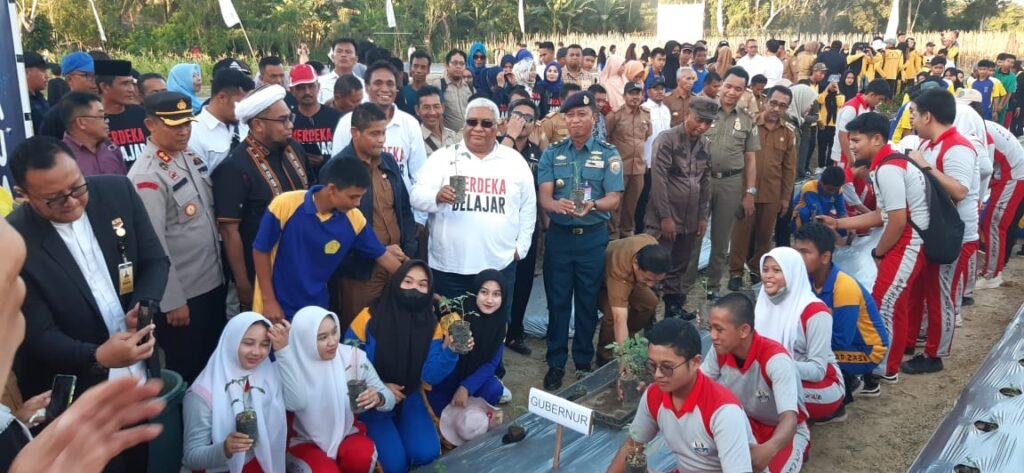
{"type": "Point", "coordinates": [236, 442]}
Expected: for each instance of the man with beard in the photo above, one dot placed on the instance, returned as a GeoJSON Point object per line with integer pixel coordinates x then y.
{"type": "Point", "coordinates": [314, 123]}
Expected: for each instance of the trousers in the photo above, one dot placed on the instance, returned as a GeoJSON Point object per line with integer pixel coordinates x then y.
{"type": "Point", "coordinates": [942, 305]}
{"type": "Point", "coordinates": [823, 398]}
{"type": "Point", "coordinates": [684, 248]}
{"type": "Point", "coordinates": [726, 197]}
{"type": "Point", "coordinates": [188, 348]}
{"type": "Point", "coordinates": [573, 271]}
{"type": "Point", "coordinates": [643, 302]}
{"type": "Point", "coordinates": [356, 454]}
{"type": "Point", "coordinates": [441, 395]}
{"type": "Point", "coordinates": [354, 295]}
{"type": "Point", "coordinates": [897, 283]}
{"type": "Point", "coordinates": [791, 457]}
{"type": "Point", "coordinates": [525, 269]}
{"type": "Point", "coordinates": [999, 226]}
{"type": "Point", "coordinates": [757, 229]}
{"type": "Point", "coordinates": [623, 219]}
{"type": "Point", "coordinates": [405, 437]}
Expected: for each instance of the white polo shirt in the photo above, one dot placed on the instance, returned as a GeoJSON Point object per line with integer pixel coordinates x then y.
{"type": "Point", "coordinates": [709, 433]}
{"type": "Point", "coordinates": [900, 185]}
{"type": "Point", "coordinates": [953, 155]}
{"type": "Point", "coordinates": [211, 138]}
{"type": "Point", "coordinates": [1007, 152]}
{"type": "Point", "coordinates": [661, 120]}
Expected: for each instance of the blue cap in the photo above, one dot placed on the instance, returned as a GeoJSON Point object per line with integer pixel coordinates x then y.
{"type": "Point", "coordinates": [77, 62]}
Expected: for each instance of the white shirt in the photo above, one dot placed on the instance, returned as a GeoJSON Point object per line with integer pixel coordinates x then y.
{"type": "Point", "coordinates": [1007, 153]}
{"type": "Point", "coordinates": [901, 185]}
{"type": "Point", "coordinates": [960, 163]}
{"type": "Point", "coordinates": [845, 115]}
{"type": "Point", "coordinates": [661, 120]}
{"type": "Point", "coordinates": [773, 69]}
{"type": "Point", "coordinates": [753, 65]}
{"type": "Point", "coordinates": [211, 138]}
{"type": "Point", "coordinates": [85, 250]}
{"type": "Point", "coordinates": [326, 93]}
{"type": "Point", "coordinates": [496, 220]}
{"type": "Point", "coordinates": [972, 127]}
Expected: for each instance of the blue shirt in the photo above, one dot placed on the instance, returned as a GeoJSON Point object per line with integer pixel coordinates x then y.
{"type": "Point", "coordinates": [596, 164]}
{"type": "Point", "coordinates": [859, 339]}
{"type": "Point", "coordinates": [811, 202]}
{"type": "Point", "coordinates": [985, 87]}
{"type": "Point", "coordinates": [307, 247]}
{"type": "Point", "coordinates": [698, 85]}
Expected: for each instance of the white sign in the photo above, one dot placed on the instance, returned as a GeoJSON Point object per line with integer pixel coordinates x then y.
{"type": "Point", "coordinates": [561, 411]}
{"type": "Point", "coordinates": [681, 22]}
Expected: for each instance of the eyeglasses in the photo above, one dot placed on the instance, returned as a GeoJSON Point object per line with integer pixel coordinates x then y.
{"type": "Point", "coordinates": [96, 117]}
{"type": "Point", "coordinates": [653, 367]}
{"type": "Point", "coordinates": [61, 200]}
{"type": "Point", "coordinates": [289, 119]}
{"type": "Point", "coordinates": [473, 122]}
{"type": "Point", "coordinates": [777, 104]}
{"type": "Point", "coordinates": [457, 63]}
{"type": "Point", "coordinates": [528, 118]}
{"type": "Point", "coordinates": [85, 75]}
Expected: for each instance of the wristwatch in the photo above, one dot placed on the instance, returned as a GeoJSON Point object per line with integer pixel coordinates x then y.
{"type": "Point", "coordinates": [752, 191]}
{"type": "Point", "coordinates": [876, 255]}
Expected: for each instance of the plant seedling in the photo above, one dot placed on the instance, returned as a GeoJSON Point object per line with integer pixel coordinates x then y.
{"type": "Point", "coordinates": [632, 359]}
{"type": "Point", "coordinates": [636, 460]}
{"type": "Point", "coordinates": [356, 386]}
{"type": "Point", "coordinates": [245, 421]}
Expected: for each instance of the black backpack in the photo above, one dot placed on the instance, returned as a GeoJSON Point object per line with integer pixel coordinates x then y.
{"type": "Point", "coordinates": [944, 236]}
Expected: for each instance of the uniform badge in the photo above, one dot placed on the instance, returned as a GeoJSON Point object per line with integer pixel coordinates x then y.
{"type": "Point", "coordinates": [763, 396]}
{"type": "Point", "coordinates": [190, 209]}
{"type": "Point", "coordinates": [164, 166]}
{"type": "Point", "coordinates": [118, 225]}
{"type": "Point", "coordinates": [700, 448]}
{"type": "Point", "coordinates": [615, 167]}
{"type": "Point", "coordinates": [559, 183]}
{"type": "Point", "coordinates": [166, 158]}
{"type": "Point", "coordinates": [332, 247]}
{"type": "Point", "coordinates": [560, 157]}
{"type": "Point", "coordinates": [197, 161]}
{"type": "Point", "coordinates": [736, 125]}
{"type": "Point", "coordinates": [182, 105]}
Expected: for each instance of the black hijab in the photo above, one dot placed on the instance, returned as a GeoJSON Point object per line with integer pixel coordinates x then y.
{"type": "Point", "coordinates": [848, 91]}
{"type": "Point", "coordinates": [671, 64]}
{"type": "Point", "coordinates": [488, 330]}
{"type": "Point", "coordinates": [403, 336]}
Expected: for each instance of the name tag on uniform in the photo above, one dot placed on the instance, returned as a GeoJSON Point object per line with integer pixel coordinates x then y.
{"type": "Point", "coordinates": [126, 278]}
{"type": "Point", "coordinates": [591, 163]}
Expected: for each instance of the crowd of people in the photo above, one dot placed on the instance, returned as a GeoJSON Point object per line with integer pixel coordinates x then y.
{"type": "Point", "coordinates": [312, 240]}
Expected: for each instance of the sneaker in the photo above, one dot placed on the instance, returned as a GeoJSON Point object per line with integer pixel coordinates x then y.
{"type": "Point", "coordinates": [959, 320]}
{"type": "Point", "coordinates": [966, 301]}
{"type": "Point", "coordinates": [506, 396]}
{"type": "Point", "coordinates": [819, 170]}
{"type": "Point", "coordinates": [838, 416]}
{"type": "Point", "coordinates": [553, 379]}
{"type": "Point", "coordinates": [519, 346]}
{"type": "Point", "coordinates": [856, 385]}
{"type": "Point", "coordinates": [735, 283]}
{"type": "Point", "coordinates": [990, 283]}
{"type": "Point", "coordinates": [890, 378]}
{"type": "Point", "coordinates": [755, 279]}
{"type": "Point", "coordinates": [922, 364]}
{"type": "Point", "coordinates": [871, 387]}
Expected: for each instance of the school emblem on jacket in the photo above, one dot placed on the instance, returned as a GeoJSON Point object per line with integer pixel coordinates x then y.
{"type": "Point", "coordinates": [191, 209]}
{"type": "Point", "coordinates": [332, 247]}
{"type": "Point", "coordinates": [700, 448]}
{"type": "Point", "coordinates": [763, 396]}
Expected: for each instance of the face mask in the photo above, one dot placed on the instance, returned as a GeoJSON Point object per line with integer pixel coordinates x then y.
{"type": "Point", "coordinates": [779, 296]}
{"type": "Point", "coordinates": [412, 298]}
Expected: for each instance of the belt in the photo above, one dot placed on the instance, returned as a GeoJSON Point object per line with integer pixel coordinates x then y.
{"type": "Point", "coordinates": [580, 230]}
{"type": "Point", "coordinates": [724, 174]}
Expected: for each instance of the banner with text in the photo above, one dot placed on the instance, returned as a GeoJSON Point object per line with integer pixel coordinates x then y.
{"type": "Point", "coordinates": [15, 114]}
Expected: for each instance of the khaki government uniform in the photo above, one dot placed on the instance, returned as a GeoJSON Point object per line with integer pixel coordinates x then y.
{"type": "Point", "coordinates": [731, 135]}
{"type": "Point", "coordinates": [680, 190]}
{"type": "Point", "coordinates": [628, 130]}
{"type": "Point", "coordinates": [620, 289]}
{"type": "Point", "coordinates": [776, 172]}
{"type": "Point", "coordinates": [554, 128]}
{"type": "Point", "coordinates": [677, 105]}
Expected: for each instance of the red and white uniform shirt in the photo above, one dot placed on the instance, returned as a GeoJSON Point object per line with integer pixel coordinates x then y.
{"type": "Point", "coordinates": [899, 185]}
{"type": "Point", "coordinates": [954, 155]}
{"type": "Point", "coordinates": [1007, 152]}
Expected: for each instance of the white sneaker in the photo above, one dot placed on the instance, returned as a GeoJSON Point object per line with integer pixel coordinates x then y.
{"type": "Point", "coordinates": [506, 396]}
{"type": "Point", "coordinates": [819, 170]}
{"type": "Point", "coordinates": [992, 283]}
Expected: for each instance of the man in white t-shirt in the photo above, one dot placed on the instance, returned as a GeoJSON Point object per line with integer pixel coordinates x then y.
{"type": "Point", "coordinates": [343, 55]}
{"type": "Point", "coordinates": [702, 423]}
{"type": "Point", "coordinates": [752, 62]}
{"type": "Point", "coordinates": [773, 67]}
{"type": "Point", "coordinates": [765, 379]}
{"type": "Point", "coordinates": [902, 198]}
{"type": "Point", "coordinates": [876, 91]}
{"type": "Point", "coordinates": [950, 158]}
{"type": "Point", "coordinates": [488, 224]}
{"type": "Point", "coordinates": [1003, 209]}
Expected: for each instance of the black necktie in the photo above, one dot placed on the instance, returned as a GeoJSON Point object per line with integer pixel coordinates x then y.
{"type": "Point", "coordinates": [234, 136]}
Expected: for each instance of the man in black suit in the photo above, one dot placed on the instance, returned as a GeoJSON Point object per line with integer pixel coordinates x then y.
{"type": "Point", "coordinates": [92, 256]}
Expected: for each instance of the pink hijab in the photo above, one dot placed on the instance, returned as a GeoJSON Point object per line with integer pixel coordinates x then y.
{"type": "Point", "coordinates": [613, 81]}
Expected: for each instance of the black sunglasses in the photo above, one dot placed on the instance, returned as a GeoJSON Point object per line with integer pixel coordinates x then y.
{"type": "Point", "coordinates": [528, 118]}
{"type": "Point", "coordinates": [473, 122]}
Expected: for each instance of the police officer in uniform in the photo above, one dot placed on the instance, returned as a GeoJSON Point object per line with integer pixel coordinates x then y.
{"type": "Point", "coordinates": [580, 185]}
{"type": "Point", "coordinates": [175, 187]}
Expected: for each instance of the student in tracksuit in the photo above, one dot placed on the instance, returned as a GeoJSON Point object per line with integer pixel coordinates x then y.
{"type": "Point", "coordinates": [1003, 209]}
{"type": "Point", "coordinates": [760, 372]}
{"type": "Point", "coordinates": [951, 159]}
{"type": "Point", "coordinates": [403, 340]}
{"type": "Point", "coordinates": [859, 339]}
{"type": "Point", "coordinates": [901, 197]}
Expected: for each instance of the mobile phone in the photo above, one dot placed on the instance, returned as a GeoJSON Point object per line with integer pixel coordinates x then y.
{"type": "Point", "coordinates": [834, 78]}
{"type": "Point", "coordinates": [61, 396]}
{"type": "Point", "coordinates": [907, 151]}
{"type": "Point", "coordinates": [146, 310]}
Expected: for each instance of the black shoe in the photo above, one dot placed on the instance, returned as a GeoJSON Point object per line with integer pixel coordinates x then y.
{"type": "Point", "coordinates": [689, 316]}
{"type": "Point", "coordinates": [871, 387]}
{"type": "Point", "coordinates": [673, 306]}
{"type": "Point", "coordinates": [909, 351]}
{"type": "Point", "coordinates": [553, 379]}
{"type": "Point", "coordinates": [838, 416]}
{"type": "Point", "coordinates": [713, 295]}
{"type": "Point", "coordinates": [519, 346]}
{"type": "Point", "coordinates": [967, 301]}
{"type": "Point", "coordinates": [735, 283]}
{"type": "Point", "coordinates": [755, 279]}
{"type": "Point", "coordinates": [922, 364]}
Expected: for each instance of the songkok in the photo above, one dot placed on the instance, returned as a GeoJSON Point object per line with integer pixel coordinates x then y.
{"type": "Point", "coordinates": [258, 100]}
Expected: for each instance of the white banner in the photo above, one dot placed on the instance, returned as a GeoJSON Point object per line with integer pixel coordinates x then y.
{"type": "Point", "coordinates": [683, 23]}
{"type": "Point", "coordinates": [390, 10]}
{"type": "Point", "coordinates": [894, 20]}
{"type": "Point", "coordinates": [561, 411]}
{"type": "Point", "coordinates": [227, 11]}
{"type": "Point", "coordinates": [522, 18]}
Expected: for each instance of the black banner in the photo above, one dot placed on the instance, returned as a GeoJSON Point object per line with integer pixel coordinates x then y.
{"type": "Point", "coordinates": [15, 114]}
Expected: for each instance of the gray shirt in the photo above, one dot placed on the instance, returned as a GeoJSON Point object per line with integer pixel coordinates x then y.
{"type": "Point", "coordinates": [200, 453]}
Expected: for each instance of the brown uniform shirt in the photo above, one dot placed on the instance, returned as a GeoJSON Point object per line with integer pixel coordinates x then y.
{"type": "Point", "coordinates": [584, 79]}
{"type": "Point", "coordinates": [385, 218]}
{"type": "Point", "coordinates": [677, 103]}
{"type": "Point", "coordinates": [628, 130]}
{"type": "Point", "coordinates": [776, 163]}
{"type": "Point", "coordinates": [731, 134]}
{"type": "Point", "coordinates": [554, 127]}
{"type": "Point", "coordinates": [619, 279]}
{"type": "Point", "coordinates": [680, 180]}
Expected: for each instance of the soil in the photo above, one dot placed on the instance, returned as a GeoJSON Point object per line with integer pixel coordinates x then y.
{"type": "Point", "coordinates": [883, 434]}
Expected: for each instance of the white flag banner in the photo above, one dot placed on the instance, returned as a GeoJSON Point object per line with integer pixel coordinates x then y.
{"type": "Point", "coordinates": [894, 20]}
{"type": "Point", "coordinates": [390, 10]}
{"type": "Point", "coordinates": [99, 25]}
{"type": "Point", "coordinates": [227, 10]}
{"type": "Point", "coordinates": [522, 18]}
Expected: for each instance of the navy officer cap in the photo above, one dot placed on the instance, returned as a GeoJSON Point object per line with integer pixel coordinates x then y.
{"type": "Point", "coordinates": [577, 100]}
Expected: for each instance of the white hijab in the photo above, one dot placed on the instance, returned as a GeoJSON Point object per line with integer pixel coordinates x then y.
{"type": "Point", "coordinates": [269, 405]}
{"type": "Point", "coordinates": [781, 322]}
{"type": "Point", "coordinates": [800, 106]}
{"type": "Point", "coordinates": [327, 418]}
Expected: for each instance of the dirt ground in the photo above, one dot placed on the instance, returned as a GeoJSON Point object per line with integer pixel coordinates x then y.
{"type": "Point", "coordinates": [883, 434]}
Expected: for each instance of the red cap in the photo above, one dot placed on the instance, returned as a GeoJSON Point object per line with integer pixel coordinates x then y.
{"type": "Point", "coordinates": [301, 74]}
